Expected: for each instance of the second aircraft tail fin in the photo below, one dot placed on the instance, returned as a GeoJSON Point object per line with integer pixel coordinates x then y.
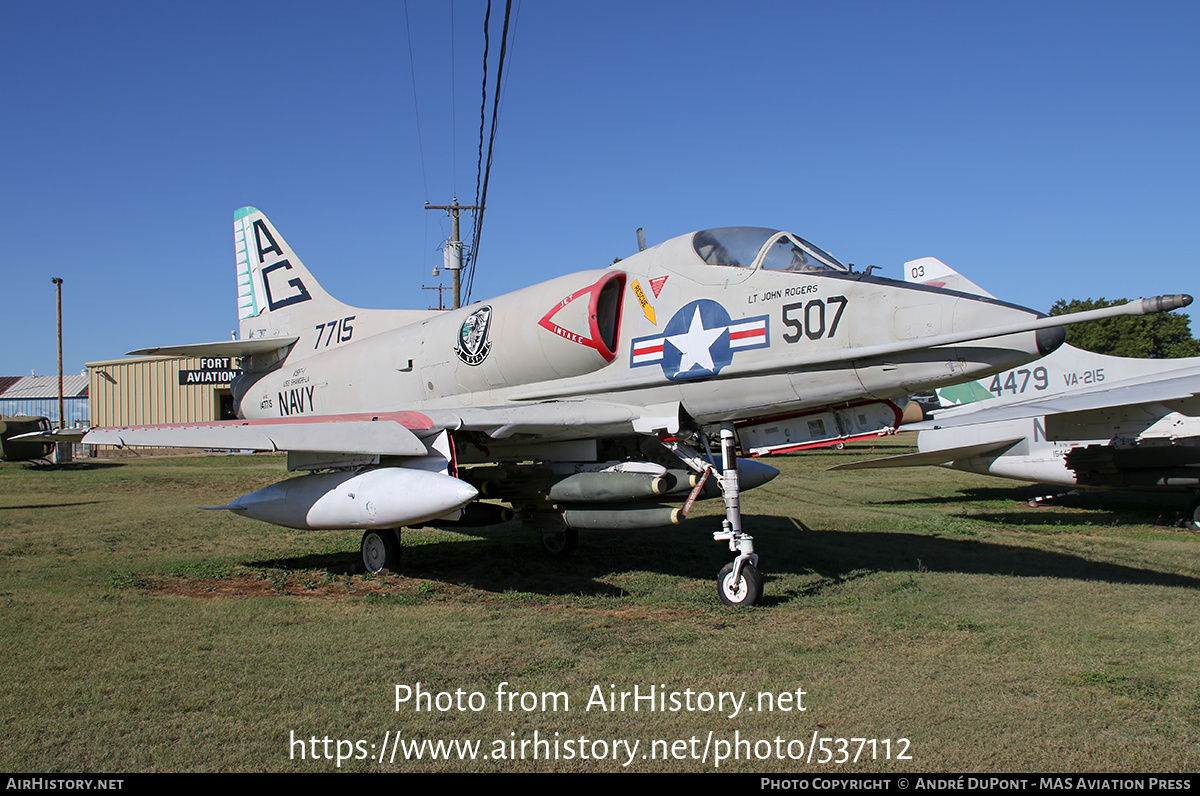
{"type": "Point", "coordinates": [932, 271]}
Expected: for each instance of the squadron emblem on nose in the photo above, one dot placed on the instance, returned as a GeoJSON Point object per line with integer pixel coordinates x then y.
{"type": "Point", "coordinates": [473, 344]}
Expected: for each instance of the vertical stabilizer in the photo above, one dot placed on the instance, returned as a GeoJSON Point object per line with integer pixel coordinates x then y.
{"type": "Point", "coordinates": [935, 273]}
{"type": "Point", "coordinates": [277, 295]}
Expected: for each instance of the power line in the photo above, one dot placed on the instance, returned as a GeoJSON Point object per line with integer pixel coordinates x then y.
{"type": "Point", "coordinates": [513, 46]}
{"type": "Point", "coordinates": [453, 108]}
{"type": "Point", "coordinates": [481, 190]}
{"type": "Point", "coordinates": [487, 20]}
{"type": "Point", "coordinates": [412, 69]}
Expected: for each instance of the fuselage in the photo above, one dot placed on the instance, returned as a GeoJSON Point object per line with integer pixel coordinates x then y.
{"type": "Point", "coordinates": [731, 324]}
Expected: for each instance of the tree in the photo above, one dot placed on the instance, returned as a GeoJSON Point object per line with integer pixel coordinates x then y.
{"type": "Point", "coordinates": [1163, 336]}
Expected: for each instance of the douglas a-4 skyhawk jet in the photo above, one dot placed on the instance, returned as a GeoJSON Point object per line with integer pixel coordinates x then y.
{"type": "Point", "coordinates": [1075, 419]}
{"type": "Point", "coordinates": [589, 401]}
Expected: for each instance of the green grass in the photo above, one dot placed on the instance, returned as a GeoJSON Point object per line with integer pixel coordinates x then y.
{"type": "Point", "coordinates": [142, 634]}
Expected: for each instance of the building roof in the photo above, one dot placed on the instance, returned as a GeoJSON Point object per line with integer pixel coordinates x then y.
{"type": "Point", "coordinates": [74, 386]}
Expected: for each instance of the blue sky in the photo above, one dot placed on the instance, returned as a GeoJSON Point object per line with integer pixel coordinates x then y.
{"type": "Point", "coordinates": [1046, 150]}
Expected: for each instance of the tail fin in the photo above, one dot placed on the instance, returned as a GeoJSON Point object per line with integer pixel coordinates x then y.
{"type": "Point", "coordinates": [932, 271]}
{"type": "Point", "coordinates": [277, 295]}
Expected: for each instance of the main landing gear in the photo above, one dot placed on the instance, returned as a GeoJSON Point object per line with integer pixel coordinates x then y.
{"type": "Point", "coordinates": [381, 550]}
{"type": "Point", "coordinates": [1191, 515]}
{"type": "Point", "coordinates": [739, 582]}
{"type": "Point", "coordinates": [560, 541]}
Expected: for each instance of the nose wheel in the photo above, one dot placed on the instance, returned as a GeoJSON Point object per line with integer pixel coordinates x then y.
{"type": "Point", "coordinates": [739, 586]}
{"type": "Point", "coordinates": [740, 582]}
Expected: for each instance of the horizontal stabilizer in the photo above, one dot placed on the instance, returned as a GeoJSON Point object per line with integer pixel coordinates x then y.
{"type": "Point", "coordinates": [223, 348]}
{"type": "Point", "coordinates": [944, 456]}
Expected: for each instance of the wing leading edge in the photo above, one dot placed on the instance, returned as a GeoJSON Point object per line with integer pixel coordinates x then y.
{"type": "Point", "coordinates": [389, 434]}
{"type": "Point", "coordinates": [394, 433]}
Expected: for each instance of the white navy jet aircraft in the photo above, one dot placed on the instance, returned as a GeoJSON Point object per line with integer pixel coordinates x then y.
{"type": "Point", "coordinates": [588, 401]}
{"type": "Point", "coordinates": [1075, 419]}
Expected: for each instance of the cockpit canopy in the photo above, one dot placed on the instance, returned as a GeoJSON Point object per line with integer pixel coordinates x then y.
{"type": "Point", "coordinates": [758, 247]}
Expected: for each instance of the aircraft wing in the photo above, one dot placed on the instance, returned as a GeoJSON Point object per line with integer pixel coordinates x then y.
{"type": "Point", "coordinates": [943, 456]}
{"type": "Point", "coordinates": [391, 433]}
{"type": "Point", "coordinates": [1101, 396]}
{"type": "Point", "coordinates": [386, 434]}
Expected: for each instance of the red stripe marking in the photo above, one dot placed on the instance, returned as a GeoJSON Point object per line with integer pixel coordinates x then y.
{"type": "Point", "coordinates": [410, 420]}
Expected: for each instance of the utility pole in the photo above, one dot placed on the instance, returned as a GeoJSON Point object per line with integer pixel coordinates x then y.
{"type": "Point", "coordinates": [441, 305]}
{"type": "Point", "coordinates": [62, 450]}
{"type": "Point", "coordinates": [454, 245]}
{"type": "Point", "coordinates": [58, 289]}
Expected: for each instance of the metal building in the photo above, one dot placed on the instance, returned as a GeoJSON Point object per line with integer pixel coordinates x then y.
{"type": "Point", "coordinates": [152, 390]}
{"type": "Point", "coordinates": [38, 396]}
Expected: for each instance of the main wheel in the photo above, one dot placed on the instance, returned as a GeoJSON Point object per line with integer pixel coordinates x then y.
{"type": "Point", "coordinates": [1191, 515]}
{"type": "Point", "coordinates": [560, 542]}
{"type": "Point", "coordinates": [745, 591]}
{"type": "Point", "coordinates": [381, 550]}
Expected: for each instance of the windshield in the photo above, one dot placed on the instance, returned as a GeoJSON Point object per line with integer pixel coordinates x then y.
{"type": "Point", "coordinates": [801, 256]}
{"type": "Point", "coordinates": [737, 246]}
{"type": "Point", "coordinates": [742, 246]}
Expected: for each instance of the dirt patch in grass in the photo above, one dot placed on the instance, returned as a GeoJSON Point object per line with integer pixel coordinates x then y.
{"type": "Point", "coordinates": [639, 612]}
{"type": "Point", "coordinates": [316, 587]}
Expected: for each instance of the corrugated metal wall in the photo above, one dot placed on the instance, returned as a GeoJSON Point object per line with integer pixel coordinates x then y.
{"type": "Point", "coordinates": [38, 396]}
{"type": "Point", "coordinates": [76, 409]}
{"type": "Point", "coordinates": [146, 391]}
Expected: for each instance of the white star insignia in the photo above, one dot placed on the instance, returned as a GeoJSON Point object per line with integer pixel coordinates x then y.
{"type": "Point", "coordinates": [695, 344]}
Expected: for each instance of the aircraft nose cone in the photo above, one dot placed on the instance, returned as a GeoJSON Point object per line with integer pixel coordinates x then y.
{"type": "Point", "coordinates": [1048, 340]}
